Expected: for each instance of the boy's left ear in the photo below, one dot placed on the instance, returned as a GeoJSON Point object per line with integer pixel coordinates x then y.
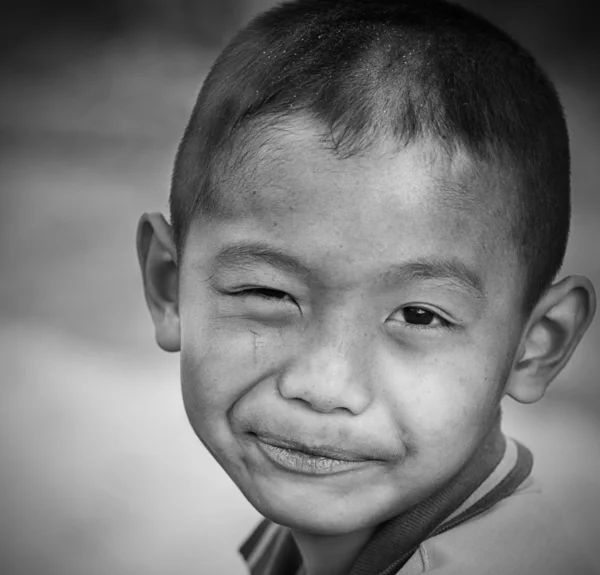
{"type": "Point", "coordinates": [555, 327]}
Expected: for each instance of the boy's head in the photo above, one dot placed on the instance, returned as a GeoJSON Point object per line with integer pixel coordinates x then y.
{"type": "Point", "coordinates": [396, 71]}
{"type": "Point", "coordinates": [369, 206]}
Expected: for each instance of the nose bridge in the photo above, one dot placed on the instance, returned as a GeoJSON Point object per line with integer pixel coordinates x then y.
{"type": "Point", "coordinates": [329, 372]}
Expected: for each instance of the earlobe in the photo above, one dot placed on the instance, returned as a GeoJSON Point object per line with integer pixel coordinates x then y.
{"type": "Point", "coordinates": [158, 262]}
{"type": "Point", "coordinates": [556, 325]}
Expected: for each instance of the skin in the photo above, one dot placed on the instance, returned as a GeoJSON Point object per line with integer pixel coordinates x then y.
{"type": "Point", "coordinates": [341, 340]}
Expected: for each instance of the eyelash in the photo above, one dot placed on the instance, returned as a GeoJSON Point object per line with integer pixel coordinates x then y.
{"type": "Point", "coordinates": [264, 293]}
{"type": "Point", "coordinates": [444, 323]}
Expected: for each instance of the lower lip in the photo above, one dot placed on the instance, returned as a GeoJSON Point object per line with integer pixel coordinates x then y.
{"type": "Point", "coordinates": [305, 463]}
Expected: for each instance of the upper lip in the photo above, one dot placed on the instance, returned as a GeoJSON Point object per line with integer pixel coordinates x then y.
{"type": "Point", "coordinates": [330, 451]}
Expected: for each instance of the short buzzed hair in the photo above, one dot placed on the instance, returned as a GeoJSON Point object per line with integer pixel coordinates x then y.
{"type": "Point", "coordinates": [400, 70]}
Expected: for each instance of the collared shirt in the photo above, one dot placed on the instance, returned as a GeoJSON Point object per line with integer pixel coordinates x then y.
{"type": "Point", "coordinates": [497, 469]}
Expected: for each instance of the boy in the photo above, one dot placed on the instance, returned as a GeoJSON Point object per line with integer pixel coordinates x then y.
{"type": "Point", "coordinates": [368, 210]}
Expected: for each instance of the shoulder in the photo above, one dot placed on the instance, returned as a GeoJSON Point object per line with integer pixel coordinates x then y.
{"type": "Point", "coordinates": [523, 535]}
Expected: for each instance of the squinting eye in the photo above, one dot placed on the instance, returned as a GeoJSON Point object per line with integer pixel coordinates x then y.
{"type": "Point", "coordinates": [269, 297]}
{"type": "Point", "coordinates": [420, 317]}
{"type": "Point", "coordinates": [266, 293]}
{"type": "Point", "coordinates": [267, 303]}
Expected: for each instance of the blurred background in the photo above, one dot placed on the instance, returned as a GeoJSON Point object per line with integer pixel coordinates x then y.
{"type": "Point", "coordinates": [99, 471]}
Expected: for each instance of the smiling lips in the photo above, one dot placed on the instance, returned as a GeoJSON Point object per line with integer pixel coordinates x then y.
{"type": "Point", "coordinates": [296, 457]}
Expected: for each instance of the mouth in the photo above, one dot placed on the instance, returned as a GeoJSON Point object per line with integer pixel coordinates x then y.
{"type": "Point", "coordinates": [308, 460]}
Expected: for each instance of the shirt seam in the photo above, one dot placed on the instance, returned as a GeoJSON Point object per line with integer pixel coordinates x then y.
{"type": "Point", "coordinates": [424, 558]}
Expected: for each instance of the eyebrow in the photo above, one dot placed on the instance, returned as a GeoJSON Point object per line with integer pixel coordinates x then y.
{"type": "Point", "coordinates": [450, 270]}
{"type": "Point", "coordinates": [244, 255]}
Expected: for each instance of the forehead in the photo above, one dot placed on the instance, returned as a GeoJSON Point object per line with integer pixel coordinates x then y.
{"type": "Point", "coordinates": [296, 152]}
{"type": "Point", "coordinates": [381, 207]}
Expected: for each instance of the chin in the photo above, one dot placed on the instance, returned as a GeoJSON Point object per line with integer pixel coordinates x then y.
{"type": "Point", "coordinates": [323, 525]}
{"type": "Point", "coordinates": [319, 518]}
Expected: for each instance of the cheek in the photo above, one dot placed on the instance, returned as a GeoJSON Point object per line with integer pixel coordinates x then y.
{"type": "Point", "coordinates": [444, 400]}
{"type": "Point", "coordinates": [222, 360]}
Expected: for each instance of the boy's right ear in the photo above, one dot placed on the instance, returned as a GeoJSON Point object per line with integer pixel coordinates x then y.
{"type": "Point", "coordinates": [158, 261]}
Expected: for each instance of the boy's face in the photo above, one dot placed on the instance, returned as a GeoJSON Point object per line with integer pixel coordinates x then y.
{"type": "Point", "coordinates": [347, 332]}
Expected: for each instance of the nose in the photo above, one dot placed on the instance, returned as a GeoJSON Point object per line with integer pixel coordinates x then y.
{"type": "Point", "coordinates": [328, 377]}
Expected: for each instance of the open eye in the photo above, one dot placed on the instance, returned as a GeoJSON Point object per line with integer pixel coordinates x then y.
{"type": "Point", "coordinates": [416, 316]}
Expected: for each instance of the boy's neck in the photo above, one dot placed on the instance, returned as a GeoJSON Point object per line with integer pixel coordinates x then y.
{"type": "Point", "coordinates": [330, 554]}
